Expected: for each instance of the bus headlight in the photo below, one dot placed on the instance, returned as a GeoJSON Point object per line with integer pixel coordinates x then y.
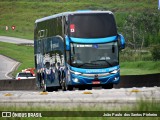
{"type": "Point", "coordinates": [76, 73]}
{"type": "Point", "coordinates": [115, 71]}
{"type": "Point", "coordinates": [75, 80]}
{"type": "Point", "coordinates": [116, 78]}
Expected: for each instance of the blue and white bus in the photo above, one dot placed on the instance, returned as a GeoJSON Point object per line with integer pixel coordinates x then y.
{"type": "Point", "coordinates": [77, 49]}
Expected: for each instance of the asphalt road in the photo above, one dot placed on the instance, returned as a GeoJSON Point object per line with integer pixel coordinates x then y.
{"type": "Point", "coordinates": [106, 98]}
{"type": "Point", "coordinates": [7, 65]}
{"type": "Point", "coordinates": [15, 40]}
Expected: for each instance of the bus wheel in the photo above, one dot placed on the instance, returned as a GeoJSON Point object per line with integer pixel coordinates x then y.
{"type": "Point", "coordinates": [66, 87]}
{"type": "Point", "coordinates": [44, 87]}
{"type": "Point", "coordinates": [89, 87]}
{"type": "Point", "coordinates": [54, 89]}
{"type": "Point", "coordinates": [82, 88]}
{"type": "Point", "coordinates": [63, 85]}
{"type": "Point", "coordinates": [69, 87]}
{"type": "Point", "coordinates": [107, 86]}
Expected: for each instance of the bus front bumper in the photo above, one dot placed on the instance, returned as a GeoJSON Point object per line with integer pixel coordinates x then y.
{"type": "Point", "coordinates": [83, 80]}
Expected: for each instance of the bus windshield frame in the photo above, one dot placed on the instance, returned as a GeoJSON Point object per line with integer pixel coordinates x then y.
{"type": "Point", "coordinates": [94, 55]}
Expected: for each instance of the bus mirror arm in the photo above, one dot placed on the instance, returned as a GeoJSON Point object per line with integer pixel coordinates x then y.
{"type": "Point", "coordinates": [68, 47]}
{"type": "Point", "coordinates": [121, 41]}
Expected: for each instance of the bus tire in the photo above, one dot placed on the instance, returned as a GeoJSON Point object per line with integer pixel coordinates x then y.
{"type": "Point", "coordinates": [82, 88]}
{"type": "Point", "coordinates": [89, 87]}
{"type": "Point", "coordinates": [69, 87]}
{"type": "Point", "coordinates": [108, 86]}
{"type": "Point", "coordinates": [54, 89]}
{"type": "Point", "coordinates": [64, 86]}
{"type": "Point", "coordinates": [44, 86]}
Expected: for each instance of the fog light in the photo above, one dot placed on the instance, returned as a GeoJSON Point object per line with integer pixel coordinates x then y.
{"type": "Point", "coordinates": [75, 80]}
{"type": "Point", "coordinates": [116, 78]}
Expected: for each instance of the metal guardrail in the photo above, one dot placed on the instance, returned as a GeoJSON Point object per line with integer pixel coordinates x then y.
{"type": "Point", "coordinates": [127, 81]}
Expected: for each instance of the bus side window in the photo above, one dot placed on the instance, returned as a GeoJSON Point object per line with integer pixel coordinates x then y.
{"type": "Point", "coordinates": [66, 25]}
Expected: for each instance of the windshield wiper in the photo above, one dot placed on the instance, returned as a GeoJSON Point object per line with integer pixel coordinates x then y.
{"type": "Point", "coordinates": [104, 61]}
{"type": "Point", "coordinates": [73, 50]}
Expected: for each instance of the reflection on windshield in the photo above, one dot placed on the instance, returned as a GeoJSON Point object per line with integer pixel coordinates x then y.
{"type": "Point", "coordinates": [94, 55]}
{"type": "Point", "coordinates": [97, 25]}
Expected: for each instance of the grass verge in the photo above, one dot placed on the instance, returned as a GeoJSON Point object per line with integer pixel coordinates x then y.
{"type": "Point", "coordinates": [23, 13]}
{"type": "Point", "coordinates": [22, 54]}
{"type": "Point", "coordinates": [140, 67]}
{"type": "Point", "coordinates": [140, 107]}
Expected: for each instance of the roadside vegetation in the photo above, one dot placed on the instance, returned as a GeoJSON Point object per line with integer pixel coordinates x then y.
{"type": "Point", "coordinates": [146, 106]}
{"type": "Point", "coordinates": [23, 13]}
{"type": "Point", "coordinates": [22, 54]}
{"type": "Point", "coordinates": [137, 20]}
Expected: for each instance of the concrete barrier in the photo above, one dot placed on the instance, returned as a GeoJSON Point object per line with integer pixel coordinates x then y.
{"type": "Point", "coordinates": [127, 81]}
{"type": "Point", "coordinates": [27, 84]}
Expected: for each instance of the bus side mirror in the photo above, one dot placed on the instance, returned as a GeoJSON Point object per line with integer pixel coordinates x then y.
{"type": "Point", "coordinates": [68, 47]}
{"type": "Point", "coordinates": [121, 41]}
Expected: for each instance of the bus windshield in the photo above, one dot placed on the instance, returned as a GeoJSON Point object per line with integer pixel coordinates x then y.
{"type": "Point", "coordinates": [93, 25]}
{"type": "Point", "coordinates": [94, 55]}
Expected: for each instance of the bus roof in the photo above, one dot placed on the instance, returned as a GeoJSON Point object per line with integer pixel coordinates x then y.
{"type": "Point", "coordinates": [68, 13]}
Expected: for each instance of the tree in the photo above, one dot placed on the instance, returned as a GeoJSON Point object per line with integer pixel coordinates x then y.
{"type": "Point", "coordinates": [142, 29]}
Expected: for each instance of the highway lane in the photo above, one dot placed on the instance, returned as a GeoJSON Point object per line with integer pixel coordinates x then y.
{"type": "Point", "coordinates": [7, 65]}
{"type": "Point", "coordinates": [106, 98]}
{"type": "Point", "coordinates": [15, 40]}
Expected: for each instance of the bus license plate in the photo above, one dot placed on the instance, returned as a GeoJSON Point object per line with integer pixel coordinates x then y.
{"type": "Point", "coordinates": [95, 82]}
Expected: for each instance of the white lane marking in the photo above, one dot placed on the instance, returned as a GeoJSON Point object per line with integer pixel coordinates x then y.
{"type": "Point", "coordinates": [14, 40]}
{"type": "Point", "coordinates": [13, 67]}
{"type": "Point", "coordinates": [12, 61]}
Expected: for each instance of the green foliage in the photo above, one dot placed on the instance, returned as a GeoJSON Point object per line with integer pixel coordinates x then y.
{"type": "Point", "coordinates": [139, 67]}
{"type": "Point", "coordinates": [138, 16]}
{"type": "Point", "coordinates": [142, 29]}
{"type": "Point", "coordinates": [135, 55]}
{"type": "Point", "coordinates": [142, 105]}
{"type": "Point", "coordinates": [148, 105]}
{"type": "Point", "coordinates": [156, 52]}
{"type": "Point", "coordinates": [23, 54]}
{"type": "Point", "coordinates": [23, 13]}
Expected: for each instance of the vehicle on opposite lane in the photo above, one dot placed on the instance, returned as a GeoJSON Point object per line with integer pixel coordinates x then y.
{"type": "Point", "coordinates": [24, 75]}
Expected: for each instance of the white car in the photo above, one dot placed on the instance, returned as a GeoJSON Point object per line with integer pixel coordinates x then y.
{"type": "Point", "coordinates": [23, 75]}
